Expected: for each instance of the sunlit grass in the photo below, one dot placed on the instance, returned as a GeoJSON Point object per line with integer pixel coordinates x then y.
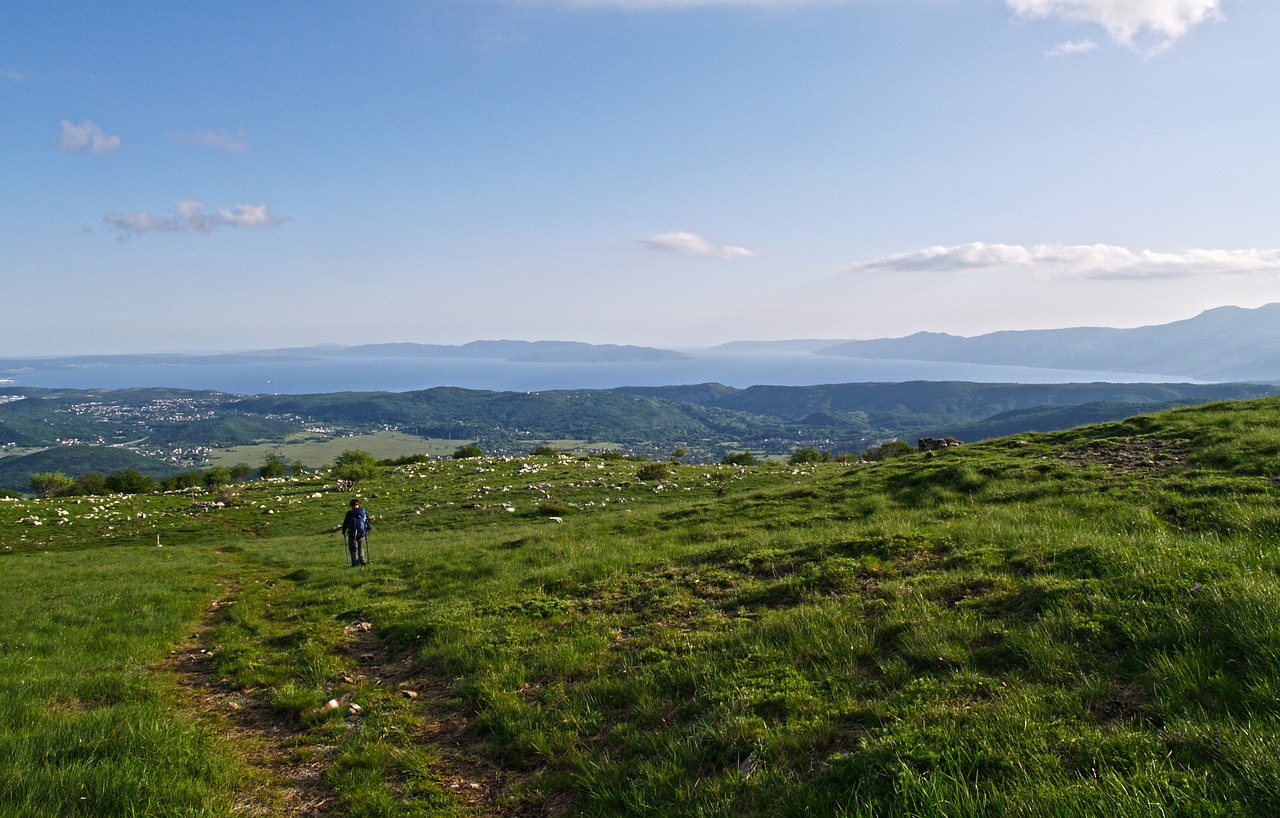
{"type": "Point", "coordinates": [1072, 624]}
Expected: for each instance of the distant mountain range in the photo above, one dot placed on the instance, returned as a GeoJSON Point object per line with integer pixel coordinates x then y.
{"type": "Point", "coordinates": [1227, 344]}
{"type": "Point", "coordinates": [1223, 344]}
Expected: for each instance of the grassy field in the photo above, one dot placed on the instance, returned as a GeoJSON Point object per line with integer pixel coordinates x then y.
{"type": "Point", "coordinates": [1082, 623]}
{"type": "Point", "coordinates": [315, 450]}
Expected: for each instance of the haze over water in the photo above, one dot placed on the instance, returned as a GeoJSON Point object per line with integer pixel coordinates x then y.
{"type": "Point", "coordinates": [736, 369]}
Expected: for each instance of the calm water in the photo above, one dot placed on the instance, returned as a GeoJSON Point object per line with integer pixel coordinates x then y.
{"type": "Point", "coordinates": [736, 369]}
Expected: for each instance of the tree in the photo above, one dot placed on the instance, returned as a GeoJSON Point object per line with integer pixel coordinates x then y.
{"type": "Point", "coordinates": [297, 467]}
{"type": "Point", "coordinates": [352, 466]}
{"type": "Point", "coordinates": [678, 453]}
{"type": "Point", "coordinates": [217, 476]}
{"type": "Point", "coordinates": [51, 484]}
{"type": "Point", "coordinates": [809, 454]}
{"type": "Point", "coordinates": [468, 451]}
{"type": "Point", "coordinates": [92, 484]}
{"type": "Point", "coordinates": [272, 466]}
{"type": "Point", "coordinates": [130, 481]}
{"type": "Point", "coordinates": [184, 480]}
{"type": "Point", "coordinates": [240, 471]}
{"type": "Point", "coordinates": [739, 459]}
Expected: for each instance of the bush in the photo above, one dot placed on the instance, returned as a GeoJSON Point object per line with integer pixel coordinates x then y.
{"type": "Point", "coordinates": [130, 481]}
{"type": "Point", "coordinates": [552, 509]}
{"type": "Point", "coordinates": [272, 466]}
{"type": "Point", "coordinates": [547, 450]}
{"type": "Point", "coordinates": [652, 471]}
{"type": "Point", "coordinates": [352, 466]}
{"type": "Point", "coordinates": [739, 459]}
{"type": "Point", "coordinates": [406, 460]}
{"type": "Point", "coordinates": [185, 480]}
{"type": "Point", "coordinates": [464, 452]}
{"type": "Point", "coordinates": [894, 448]}
{"type": "Point", "coordinates": [216, 476]}
{"type": "Point", "coordinates": [92, 484]}
{"type": "Point", "coordinates": [809, 454]}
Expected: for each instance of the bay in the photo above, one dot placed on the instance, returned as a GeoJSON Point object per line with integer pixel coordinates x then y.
{"type": "Point", "coordinates": [400, 374]}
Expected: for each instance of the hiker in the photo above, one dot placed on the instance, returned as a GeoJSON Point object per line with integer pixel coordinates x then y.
{"type": "Point", "coordinates": [356, 526]}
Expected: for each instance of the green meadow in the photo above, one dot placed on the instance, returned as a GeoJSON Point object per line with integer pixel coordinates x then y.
{"type": "Point", "coordinates": [1082, 623]}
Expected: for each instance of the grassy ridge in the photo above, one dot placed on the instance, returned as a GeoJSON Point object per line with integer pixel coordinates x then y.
{"type": "Point", "coordinates": [1078, 623]}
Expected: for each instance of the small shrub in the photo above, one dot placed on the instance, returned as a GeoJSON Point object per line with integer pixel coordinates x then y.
{"type": "Point", "coordinates": [552, 509]}
{"type": "Point", "coordinates": [548, 451]}
{"type": "Point", "coordinates": [652, 471]}
{"type": "Point", "coordinates": [809, 454]}
{"type": "Point", "coordinates": [406, 460]}
{"type": "Point", "coordinates": [885, 451]}
{"type": "Point", "coordinates": [464, 452]}
{"type": "Point", "coordinates": [740, 459]}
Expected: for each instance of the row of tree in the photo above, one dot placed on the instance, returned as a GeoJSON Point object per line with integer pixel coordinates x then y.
{"type": "Point", "coordinates": [132, 481]}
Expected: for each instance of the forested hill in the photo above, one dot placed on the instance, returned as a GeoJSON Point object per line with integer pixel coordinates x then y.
{"type": "Point", "coordinates": [921, 404]}
{"type": "Point", "coordinates": [175, 428]}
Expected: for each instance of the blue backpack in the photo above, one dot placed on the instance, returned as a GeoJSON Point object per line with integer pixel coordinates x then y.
{"type": "Point", "coordinates": [358, 522]}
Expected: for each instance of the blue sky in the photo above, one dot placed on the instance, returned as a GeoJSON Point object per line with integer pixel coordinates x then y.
{"type": "Point", "coordinates": [663, 172]}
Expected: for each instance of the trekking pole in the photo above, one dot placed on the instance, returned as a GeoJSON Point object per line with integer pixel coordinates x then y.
{"type": "Point", "coordinates": [346, 546]}
{"type": "Point", "coordinates": [367, 531]}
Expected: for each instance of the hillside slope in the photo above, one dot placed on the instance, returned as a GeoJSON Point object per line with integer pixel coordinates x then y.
{"type": "Point", "coordinates": [1075, 623]}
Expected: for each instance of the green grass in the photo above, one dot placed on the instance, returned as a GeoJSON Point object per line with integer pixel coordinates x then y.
{"type": "Point", "coordinates": [315, 450]}
{"type": "Point", "coordinates": [1078, 624]}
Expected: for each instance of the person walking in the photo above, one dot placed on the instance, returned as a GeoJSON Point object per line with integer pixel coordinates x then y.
{"type": "Point", "coordinates": [355, 527]}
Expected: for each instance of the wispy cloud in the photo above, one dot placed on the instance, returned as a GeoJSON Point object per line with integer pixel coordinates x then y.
{"type": "Point", "coordinates": [218, 140]}
{"type": "Point", "coordinates": [1071, 48]}
{"type": "Point", "coordinates": [192, 216]}
{"type": "Point", "coordinates": [86, 137]}
{"type": "Point", "coordinates": [691, 244]}
{"type": "Point", "coordinates": [1148, 26]}
{"type": "Point", "coordinates": [1090, 261]}
{"type": "Point", "coordinates": [10, 74]}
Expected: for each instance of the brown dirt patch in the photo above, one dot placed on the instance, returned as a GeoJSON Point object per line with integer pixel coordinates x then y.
{"type": "Point", "coordinates": [288, 782]}
{"type": "Point", "coordinates": [1132, 455]}
{"type": "Point", "coordinates": [464, 769]}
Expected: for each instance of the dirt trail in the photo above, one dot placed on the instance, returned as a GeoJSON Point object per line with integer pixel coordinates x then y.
{"type": "Point", "coordinates": [289, 783]}
{"type": "Point", "coordinates": [290, 768]}
{"type": "Point", "coordinates": [478, 784]}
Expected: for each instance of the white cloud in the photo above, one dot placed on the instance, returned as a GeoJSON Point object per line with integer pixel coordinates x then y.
{"type": "Point", "coordinates": [10, 74]}
{"type": "Point", "coordinates": [1071, 48]}
{"type": "Point", "coordinates": [86, 136]}
{"type": "Point", "coordinates": [192, 216]}
{"type": "Point", "coordinates": [231, 143]}
{"type": "Point", "coordinates": [691, 244]}
{"type": "Point", "coordinates": [1087, 261]}
{"type": "Point", "coordinates": [1143, 25]}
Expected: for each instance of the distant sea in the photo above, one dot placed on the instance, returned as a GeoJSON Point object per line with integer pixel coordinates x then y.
{"type": "Point", "coordinates": [401, 374]}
